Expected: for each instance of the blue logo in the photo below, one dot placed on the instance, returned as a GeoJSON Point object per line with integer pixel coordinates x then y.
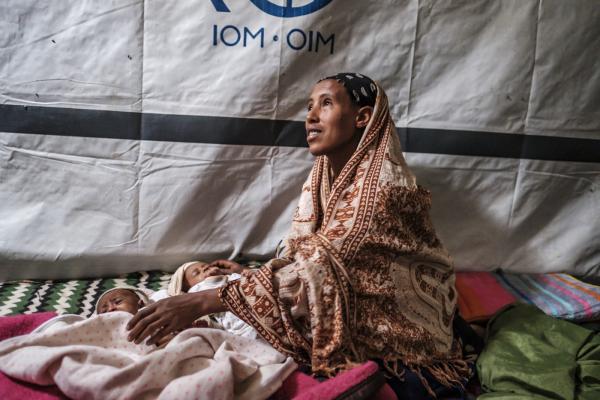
{"type": "Point", "coordinates": [287, 11]}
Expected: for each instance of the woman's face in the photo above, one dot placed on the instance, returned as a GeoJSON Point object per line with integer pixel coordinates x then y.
{"type": "Point", "coordinates": [331, 120]}
{"type": "Point", "coordinates": [119, 300]}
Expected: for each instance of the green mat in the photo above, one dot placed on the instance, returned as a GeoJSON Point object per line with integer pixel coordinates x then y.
{"type": "Point", "coordinates": [70, 296]}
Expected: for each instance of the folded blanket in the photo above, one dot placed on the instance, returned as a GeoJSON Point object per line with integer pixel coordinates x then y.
{"type": "Point", "coordinates": [529, 355]}
{"type": "Point", "coordinates": [92, 359]}
{"type": "Point", "coordinates": [559, 295]}
{"type": "Point", "coordinates": [482, 294]}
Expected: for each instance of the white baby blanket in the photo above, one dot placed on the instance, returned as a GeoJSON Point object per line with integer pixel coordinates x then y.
{"type": "Point", "coordinates": [92, 359]}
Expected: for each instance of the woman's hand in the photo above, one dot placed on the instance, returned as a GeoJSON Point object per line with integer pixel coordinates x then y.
{"type": "Point", "coordinates": [172, 314]}
{"type": "Point", "coordinates": [229, 266]}
{"type": "Point", "coordinates": [162, 343]}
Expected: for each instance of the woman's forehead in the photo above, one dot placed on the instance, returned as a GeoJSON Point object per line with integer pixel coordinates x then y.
{"type": "Point", "coordinates": [327, 87]}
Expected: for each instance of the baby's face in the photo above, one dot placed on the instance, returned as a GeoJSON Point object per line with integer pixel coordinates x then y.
{"type": "Point", "coordinates": [119, 300]}
{"type": "Point", "coordinates": [198, 272]}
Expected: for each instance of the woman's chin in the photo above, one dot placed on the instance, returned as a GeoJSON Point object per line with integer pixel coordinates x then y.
{"type": "Point", "coordinates": [315, 150]}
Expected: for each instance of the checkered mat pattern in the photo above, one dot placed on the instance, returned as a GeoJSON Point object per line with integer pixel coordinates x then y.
{"type": "Point", "coordinates": [70, 296]}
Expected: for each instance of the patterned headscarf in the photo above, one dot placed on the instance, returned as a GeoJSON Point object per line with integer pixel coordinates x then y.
{"type": "Point", "coordinates": [361, 89]}
{"type": "Point", "coordinates": [363, 274]}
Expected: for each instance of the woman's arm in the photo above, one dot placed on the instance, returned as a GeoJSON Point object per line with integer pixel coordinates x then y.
{"type": "Point", "coordinates": [172, 314]}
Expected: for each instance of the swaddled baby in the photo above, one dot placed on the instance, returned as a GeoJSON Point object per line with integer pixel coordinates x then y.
{"type": "Point", "coordinates": [196, 276]}
{"type": "Point", "coordinates": [120, 298]}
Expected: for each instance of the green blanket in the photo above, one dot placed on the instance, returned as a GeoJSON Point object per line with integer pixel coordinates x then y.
{"type": "Point", "coordinates": [529, 355]}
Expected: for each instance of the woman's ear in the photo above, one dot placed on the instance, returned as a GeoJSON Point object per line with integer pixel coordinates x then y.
{"type": "Point", "coordinates": [364, 116]}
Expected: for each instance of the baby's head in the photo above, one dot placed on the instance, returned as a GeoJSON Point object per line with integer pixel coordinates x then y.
{"type": "Point", "coordinates": [124, 298]}
{"type": "Point", "coordinates": [197, 272]}
{"type": "Point", "coordinates": [190, 274]}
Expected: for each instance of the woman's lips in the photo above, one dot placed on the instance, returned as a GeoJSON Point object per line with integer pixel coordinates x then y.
{"type": "Point", "coordinates": [312, 134]}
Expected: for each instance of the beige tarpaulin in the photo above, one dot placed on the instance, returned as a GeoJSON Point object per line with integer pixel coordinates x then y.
{"type": "Point", "coordinates": [137, 135]}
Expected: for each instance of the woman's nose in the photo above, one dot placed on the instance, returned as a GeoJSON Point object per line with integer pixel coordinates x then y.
{"type": "Point", "coordinates": [312, 115]}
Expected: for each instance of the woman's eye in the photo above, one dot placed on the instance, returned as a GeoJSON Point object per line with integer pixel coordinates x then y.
{"type": "Point", "coordinates": [327, 102]}
{"type": "Point", "coordinates": [309, 107]}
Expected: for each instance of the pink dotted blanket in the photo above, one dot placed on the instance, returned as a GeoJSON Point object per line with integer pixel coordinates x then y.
{"type": "Point", "coordinates": [92, 359]}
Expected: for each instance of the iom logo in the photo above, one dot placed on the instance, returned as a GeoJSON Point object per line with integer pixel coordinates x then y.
{"type": "Point", "coordinates": [295, 39]}
{"type": "Point", "coordinates": [286, 11]}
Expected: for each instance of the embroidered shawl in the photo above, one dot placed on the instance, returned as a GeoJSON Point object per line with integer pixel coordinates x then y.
{"type": "Point", "coordinates": [363, 274]}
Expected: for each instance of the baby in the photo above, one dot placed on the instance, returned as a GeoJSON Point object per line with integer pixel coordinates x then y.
{"type": "Point", "coordinates": [131, 300]}
{"type": "Point", "coordinates": [196, 276]}
{"type": "Point", "coordinates": [122, 298]}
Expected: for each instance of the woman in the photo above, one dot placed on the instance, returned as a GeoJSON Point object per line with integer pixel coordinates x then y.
{"type": "Point", "coordinates": [362, 274]}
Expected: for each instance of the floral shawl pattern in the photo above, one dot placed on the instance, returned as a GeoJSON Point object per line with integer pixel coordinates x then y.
{"type": "Point", "coordinates": [363, 274]}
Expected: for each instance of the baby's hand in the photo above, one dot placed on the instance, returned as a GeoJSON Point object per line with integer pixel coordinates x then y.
{"type": "Point", "coordinates": [228, 266]}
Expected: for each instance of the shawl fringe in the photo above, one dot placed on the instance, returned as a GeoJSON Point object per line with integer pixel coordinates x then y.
{"type": "Point", "coordinates": [448, 373]}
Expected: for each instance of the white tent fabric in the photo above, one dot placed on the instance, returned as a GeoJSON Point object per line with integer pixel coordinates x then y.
{"type": "Point", "coordinates": [136, 134]}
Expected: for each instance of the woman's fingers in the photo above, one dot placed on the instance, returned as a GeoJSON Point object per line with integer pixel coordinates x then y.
{"type": "Point", "coordinates": [172, 314]}
{"type": "Point", "coordinates": [150, 330]}
{"type": "Point", "coordinates": [155, 331]}
{"type": "Point", "coordinates": [220, 263]}
{"type": "Point", "coordinates": [228, 265]}
{"type": "Point", "coordinates": [165, 340]}
{"type": "Point", "coordinates": [139, 324]}
{"type": "Point", "coordinates": [162, 317]}
{"type": "Point", "coordinates": [139, 315]}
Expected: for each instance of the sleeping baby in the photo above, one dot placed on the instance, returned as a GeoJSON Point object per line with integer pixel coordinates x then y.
{"type": "Point", "coordinates": [196, 276]}
{"type": "Point", "coordinates": [120, 298]}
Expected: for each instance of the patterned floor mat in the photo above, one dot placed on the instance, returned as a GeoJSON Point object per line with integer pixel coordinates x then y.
{"type": "Point", "coordinates": [70, 296]}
